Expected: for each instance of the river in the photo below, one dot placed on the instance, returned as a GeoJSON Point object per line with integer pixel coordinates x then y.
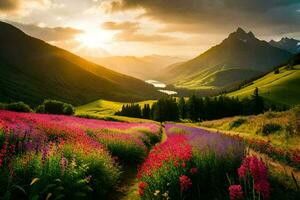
{"type": "Point", "coordinates": [160, 86]}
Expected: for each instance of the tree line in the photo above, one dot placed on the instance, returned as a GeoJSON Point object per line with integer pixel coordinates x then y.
{"type": "Point", "coordinates": [196, 108]}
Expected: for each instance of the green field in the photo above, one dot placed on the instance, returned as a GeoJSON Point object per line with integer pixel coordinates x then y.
{"type": "Point", "coordinates": [282, 88]}
{"type": "Point", "coordinates": [253, 127]}
{"type": "Point", "coordinates": [106, 110]}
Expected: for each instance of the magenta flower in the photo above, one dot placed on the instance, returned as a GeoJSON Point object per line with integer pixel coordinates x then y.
{"type": "Point", "coordinates": [185, 182]}
{"type": "Point", "coordinates": [259, 172]}
{"type": "Point", "coordinates": [236, 192]}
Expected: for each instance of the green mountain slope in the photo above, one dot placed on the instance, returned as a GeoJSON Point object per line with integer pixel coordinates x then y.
{"type": "Point", "coordinates": [240, 51]}
{"type": "Point", "coordinates": [32, 70]}
{"type": "Point", "coordinates": [282, 88]}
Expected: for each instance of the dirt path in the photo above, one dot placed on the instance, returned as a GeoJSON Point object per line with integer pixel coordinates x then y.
{"type": "Point", "coordinates": [127, 189]}
{"type": "Point", "coordinates": [127, 186]}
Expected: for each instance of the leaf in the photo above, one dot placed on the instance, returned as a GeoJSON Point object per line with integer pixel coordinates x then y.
{"type": "Point", "coordinates": [35, 197]}
{"type": "Point", "coordinates": [34, 181]}
{"type": "Point", "coordinates": [58, 180]}
{"type": "Point", "coordinates": [48, 196]}
{"type": "Point", "coordinates": [61, 196]}
{"type": "Point", "coordinates": [48, 187]}
{"type": "Point", "coordinates": [19, 188]}
{"type": "Point", "coordinates": [60, 188]}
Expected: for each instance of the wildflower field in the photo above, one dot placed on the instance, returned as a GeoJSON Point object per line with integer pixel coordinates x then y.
{"type": "Point", "coordinates": [197, 164]}
{"type": "Point", "coordinates": [59, 157]}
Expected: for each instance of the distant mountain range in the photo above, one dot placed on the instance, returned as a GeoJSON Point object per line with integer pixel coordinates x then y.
{"type": "Point", "coordinates": [239, 57]}
{"type": "Point", "coordinates": [144, 68]}
{"type": "Point", "coordinates": [32, 70]}
{"type": "Point", "coordinates": [289, 44]}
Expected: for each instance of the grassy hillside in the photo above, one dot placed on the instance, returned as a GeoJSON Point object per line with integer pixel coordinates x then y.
{"type": "Point", "coordinates": [213, 69]}
{"type": "Point", "coordinates": [280, 128]}
{"type": "Point", "coordinates": [32, 70]}
{"type": "Point", "coordinates": [220, 79]}
{"type": "Point", "coordinates": [106, 110]}
{"type": "Point", "coordinates": [282, 88]}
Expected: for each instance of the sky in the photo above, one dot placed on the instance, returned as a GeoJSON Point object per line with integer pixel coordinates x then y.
{"type": "Point", "coordinates": [183, 28]}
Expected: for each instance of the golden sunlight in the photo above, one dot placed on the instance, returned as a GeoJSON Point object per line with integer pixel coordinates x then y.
{"type": "Point", "coordinates": [94, 38]}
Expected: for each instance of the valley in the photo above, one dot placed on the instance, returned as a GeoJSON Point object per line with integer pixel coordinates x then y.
{"type": "Point", "coordinates": [149, 100]}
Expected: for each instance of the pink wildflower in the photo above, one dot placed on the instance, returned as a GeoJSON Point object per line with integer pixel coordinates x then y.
{"type": "Point", "coordinates": [185, 182]}
{"type": "Point", "coordinates": [236, 192]}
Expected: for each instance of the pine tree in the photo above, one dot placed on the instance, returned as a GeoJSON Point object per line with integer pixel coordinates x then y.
{"type": "Point", "coordinates": [257, 102]}
{"type": "Point", "coordinates": [182, 109]}
{"type": "Point", "coordinates": [146, 112]}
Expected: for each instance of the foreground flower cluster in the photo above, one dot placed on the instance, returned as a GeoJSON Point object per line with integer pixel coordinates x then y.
{"type": "Point", "coordinates": [66, 157]}
{"type": "Point", "coordinates": [253, 176]}
{"type": "Point", "coordinates": [190, 164]}
{"type": "Point", "coordinates": [167, 169]}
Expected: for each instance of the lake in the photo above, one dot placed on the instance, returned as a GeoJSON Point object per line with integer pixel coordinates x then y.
{"type": "Point", "coordinates": [160, 86]}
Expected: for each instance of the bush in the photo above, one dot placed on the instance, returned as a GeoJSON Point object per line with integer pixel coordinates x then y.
{"type": "Point", "coordinates": [18, 107]}
{"type": "Point", "coordinates": [237, 123]}
{"type": "Point", "coordinates": [270, 128]}
{"type": "Point", "coordinates": [40, 109]}
{"type": "Point", "coordinates": [55, 107]}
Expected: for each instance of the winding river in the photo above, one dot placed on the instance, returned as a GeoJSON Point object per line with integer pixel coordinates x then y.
{"type": "Point", "coordinates": [160, 86]}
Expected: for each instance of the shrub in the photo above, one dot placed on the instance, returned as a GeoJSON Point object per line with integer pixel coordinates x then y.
{"type": "Point", "coordinates": [270, 128]}
{"type": "Point", "coordinates": [18, 107]}
{"type": "Point", "coordinates": [55, 107]}
{"type": "Point", "coordinates": [68, 109]}
{"type": "Point", "coordinates": [40, 109]}
{"type": "Point", "coordinates": [237, 123]}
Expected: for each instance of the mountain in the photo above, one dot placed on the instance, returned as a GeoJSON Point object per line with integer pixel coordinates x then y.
{"type": "Point", "coordinates": [32, 70]}
{"type": "Point", "coordinates": [239, 57]}
{"type": "Point", "coordinates": [289, 44]}
{"type": "Point", "coordinates": [278, 89]}
{"type": "Point", "coordinates": [144, 68]}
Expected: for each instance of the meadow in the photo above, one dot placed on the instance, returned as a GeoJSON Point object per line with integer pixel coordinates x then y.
{"type": "Point", "coordinates": [194, 163]}
{"type": "Point", "coordinates": [60, 157]}
{"type": "Point", "coordinates": [63, 157]}
{"type": "Point", "coordinates": [103, 109]}
{"type": "Point", "coordinates": [276, 89]}
{"type": "Point", "coordinates": [272, 133]}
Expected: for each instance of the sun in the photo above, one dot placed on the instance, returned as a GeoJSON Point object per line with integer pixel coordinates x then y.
{"type": "Point", "coordinates": [94, 38]}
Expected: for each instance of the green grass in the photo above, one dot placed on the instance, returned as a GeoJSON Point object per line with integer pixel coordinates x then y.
{"type": "Point", "coordinates": [223, 78]}
{"type": "Point", "coordinates": [282, 88]}
{"type": "Point", "coordinates": [252, 127]}
{"type": "Point", "coordinates": [103, 109]}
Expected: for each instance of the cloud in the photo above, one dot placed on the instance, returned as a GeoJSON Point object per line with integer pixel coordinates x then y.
{"type": "Point", "coordinates": [211, 15]}
{"type": "Point", "coordinates": [48, 34]}
{"type": "Point", "coordinates": [9, 5]}
{"type": "Point", "coordinates": [139, 37]}
{"type": "Point", "coordinates": [130, 32]}
{"type": "Point", "coordinates": [126, 25]}
{"type": "Point", "coordinates": [21, 6]}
